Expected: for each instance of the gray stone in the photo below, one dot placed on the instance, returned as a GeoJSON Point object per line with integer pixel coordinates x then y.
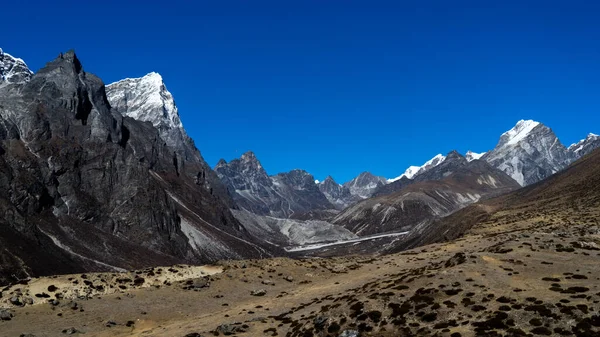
{"type": "Point", "coordinates": [5, 315]}
{"type": "Point", "coordinates": [259, 292]}
{"type": "Point", "coordinates": [70, 331]}
{"type": "Point", "coordinates": [230, 329]}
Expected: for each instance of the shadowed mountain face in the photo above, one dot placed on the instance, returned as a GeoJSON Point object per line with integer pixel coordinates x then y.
{"type": "Point", "coordinates": [450, 186]}
{"type": "Point", "coordinates": [84, 188]}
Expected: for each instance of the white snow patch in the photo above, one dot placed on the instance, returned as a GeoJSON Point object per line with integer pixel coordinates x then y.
{"type": "Point", "coordinates": [520, 131]}
{"type": "Point", "coordinates": [487, 180]}
{"type": "Point", "coordinates": [322, 245]}
{"type": "Point", "coordinates": [409, 173]}
{"type": "Point", "coordinates": [576, 147]}
{"type": "Point", "coordinates": [474, 156]}
{"type": "Point", "coordinates": [413, 171]}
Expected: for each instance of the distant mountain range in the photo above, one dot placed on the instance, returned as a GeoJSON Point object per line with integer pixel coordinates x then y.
{"type": "Point", "coordinates": [527, 153]}
{"type": "Point", "coordinates": [96, 177]}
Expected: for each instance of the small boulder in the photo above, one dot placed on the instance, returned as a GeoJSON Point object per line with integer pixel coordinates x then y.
{"type": "Point", "coordinates": [15, 301]}
{"type": "Point", "coordinates": [201, 283]}
{"type": "Point", "coordinates": [289, 278]}
{"type": "Point", "coordinates": [259, 292]}
{"type": "Point", "coordinates": [5, 315]}
{"type": "Point", "coordinates": [230, 329]}
{"type": "Point", "coordinates": [268, 282]}
{"type": "Point", "coordinates": [70, 331]}
{"type": "Point", "coordinates": [320, 321]}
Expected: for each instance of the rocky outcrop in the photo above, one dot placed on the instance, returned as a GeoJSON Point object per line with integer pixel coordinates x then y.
{"type": "Point", "coordinates": [85, 188]}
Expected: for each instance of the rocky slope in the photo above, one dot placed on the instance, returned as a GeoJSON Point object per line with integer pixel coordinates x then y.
{"type": "Point", "coordinates": [453, 184]}
{"type": "Point", "coordinates": [85, 188]}
{"type": "Point", "coordinates": [283, 195]}
{"type": "Point", "coordinates": [287, 233]}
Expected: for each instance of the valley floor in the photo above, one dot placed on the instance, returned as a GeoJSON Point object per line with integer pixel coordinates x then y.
{"type": "Point", "coordinates": [531, 279]}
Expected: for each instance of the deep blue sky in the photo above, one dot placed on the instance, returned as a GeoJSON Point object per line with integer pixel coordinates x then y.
{"type": "Point", "coordinates": [337, 87]}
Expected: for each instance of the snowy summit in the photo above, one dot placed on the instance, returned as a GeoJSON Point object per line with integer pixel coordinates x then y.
{"type": "Point", "coordinates": [518, 132]}
{"type": "Point", "coordinates": [147, 99]}
{"type": "Point", "coordinates": [473, 155]}
{"type": "Point", "coordinates": [413, 171]}
{"type": "Point", "coordinates": [12, 69]}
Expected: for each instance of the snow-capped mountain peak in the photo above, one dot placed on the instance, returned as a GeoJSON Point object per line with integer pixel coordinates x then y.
{"type": "Point", "coordinates": [13, 69]}
{"type": "Point", "coordinates": [327, 180]}
{"type": "Point", "coordinates": [519, 132]}
{"type": "Point", "coordinates": [584, 146]}
{"type": "Point", "coordinates": [413, 171]}
{"type": "Point", "coordinates": [409, 173]}
{"type": "Point", "coordinates": [143, 96]}
{"type": "Point", "coordinates": [249, 156]}
{"type": "Point", "coordinates": [365, 184]}
{"type": "Point", "coordinates": [433, 162]}
{"type": "Point", "coordinates": [147, 99]}
{"type": "Point", "coordinates": [529, 152]}
{"type": "Point", "coordinates": [473, 155]}
{"type": "Point", "coordinates": [338, 195]}
{"type": "Point", "coordinates": [590, 137]}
